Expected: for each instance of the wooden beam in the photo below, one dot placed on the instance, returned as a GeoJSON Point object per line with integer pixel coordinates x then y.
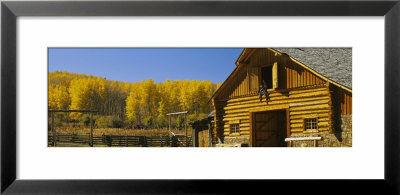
{"type": "Point", "coordinates": [275, 75]}
{"type": "Point", "coordinates": [269, 108]}
{"type": "Point", "coordinates": [176, 113]}
{"type": "Point", "coordinates": [302, 138]}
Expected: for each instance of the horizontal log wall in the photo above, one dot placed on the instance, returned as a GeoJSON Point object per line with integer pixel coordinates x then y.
{"type": "Point", "coordinates": [304, 103]}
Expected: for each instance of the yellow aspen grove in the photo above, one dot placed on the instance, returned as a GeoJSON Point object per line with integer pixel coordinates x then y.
{"type": "Point", "coordinates": [52, 100]}
{"type": "Point", "coordinates": [87, 94]}
{"type": "Point", "coordinates": [133, 103]}
{"type": "Point", "coordinates": [62, 97]}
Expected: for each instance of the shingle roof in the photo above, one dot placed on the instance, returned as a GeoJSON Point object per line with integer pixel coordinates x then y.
{"type": "Point", "coordinates": [333, 63]}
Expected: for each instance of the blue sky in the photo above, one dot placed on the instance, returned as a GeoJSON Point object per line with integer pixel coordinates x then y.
{"type": "Point", "coordinates": [137, 64]}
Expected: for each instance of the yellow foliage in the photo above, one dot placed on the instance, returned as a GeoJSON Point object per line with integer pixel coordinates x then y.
{"type": "Point", "coordinates": [133, 101]}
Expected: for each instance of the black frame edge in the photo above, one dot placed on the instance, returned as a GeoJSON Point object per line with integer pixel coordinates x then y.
{"type": "Point", "coordinates": [392, 96]}
{"type": "Point", "coordinates": [8, 102]}
{"type": "Point", "coordinates": [325, 187]}
{"type": "Point", "coordinates": [202, 8]}
{"type": "Point", "coordinates": [11, 10]}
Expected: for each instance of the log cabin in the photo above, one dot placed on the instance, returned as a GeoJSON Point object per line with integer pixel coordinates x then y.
{"type": "Point", "coordinates": [308, 101]}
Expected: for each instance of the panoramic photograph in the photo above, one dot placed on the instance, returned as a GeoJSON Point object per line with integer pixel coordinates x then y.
{"type": "Point", "coordinates": [199, 97]}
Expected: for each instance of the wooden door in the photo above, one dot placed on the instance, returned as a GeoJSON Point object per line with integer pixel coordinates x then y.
{"type": "Point", "coordinates": [269, 129]}
{"type": "Point", "coordinates": [203, 138]}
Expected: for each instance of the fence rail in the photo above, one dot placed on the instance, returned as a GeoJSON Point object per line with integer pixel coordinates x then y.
{"type": "Point", "coordinates": [82, 140]}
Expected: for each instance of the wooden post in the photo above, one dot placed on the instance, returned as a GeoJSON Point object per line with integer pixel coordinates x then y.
{"type": "Point", "coordinates": [194, 137]}
{"type": "Point", "coordinates": [209, 135]}
{"type": "Point", "coordinates": [53, 129]}
{"type": "Point", "coordinates": [170, 134]}
{"type": "Point", "coordinates": [161, 140]}
{"type": "Point", "coordinates": [144, 141]}
{"type": "Point", "coordinates": [91, 129]}
{"type": "Point", "coordinates": [185, 126]}
{"type": "Point", "coordinates": [186, 137]}
{"type": "Point", "coordinates": [151, 141]}
{"type": "Point", "coordinates": [169, 123]}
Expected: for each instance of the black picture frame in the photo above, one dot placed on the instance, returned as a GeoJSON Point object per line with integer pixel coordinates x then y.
{"type": "Point", "coordinates": [10, 10]}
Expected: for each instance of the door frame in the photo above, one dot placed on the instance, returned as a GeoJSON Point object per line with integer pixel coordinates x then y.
{"type": "Point", "coordinates": [253, 111]}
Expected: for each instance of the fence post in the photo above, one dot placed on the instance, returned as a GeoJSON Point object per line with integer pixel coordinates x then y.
{"type": "Point", "coordinates": [151, 141]}
{"type": "Point", "coordinates": [110, 140]}
{"type": "Point", "coordinates": [194, 137]}
{"type": "Point", "coordinates": [91, 129]}
{"type": "Point", "coordinates": [126, 140]}
{"type": "Point", "coordinates": [53, 129]}
{"type": "Point", "coordinates": [169, 123]}
{"type": "Point", "coordinates": [161, 140]}
{"type": "Point", "coordinates": [185, 126]}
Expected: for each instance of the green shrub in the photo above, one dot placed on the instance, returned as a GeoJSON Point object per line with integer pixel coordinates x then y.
{"type": "Point", "coordinates": [128, 124]}
{"type": "Point", "coordinates": [109, 122]}
{"type": "Point", "coordinates": [180, 121]}
{"type": "Point", "coordinates": [149, 121]}
{"type": "Point", "coordinates": [85, 119]}
{"type": "Point", "coordinates": [162, 121]}
{"type": "Point", "coordinates": [117, 123]}
{"type": "Point", "coordinates": [104, 122]}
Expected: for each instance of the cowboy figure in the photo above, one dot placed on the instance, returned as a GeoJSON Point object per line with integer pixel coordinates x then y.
{"type": "Point", "coordinates": [263, 90]}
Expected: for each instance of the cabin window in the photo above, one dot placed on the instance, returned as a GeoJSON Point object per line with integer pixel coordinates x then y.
{"type": "Point", "coordinates": [234, 128]}
{"type": "Point", "coordinates": [266, 75]}
{"type": "Point", "coordinates": [310, 124]}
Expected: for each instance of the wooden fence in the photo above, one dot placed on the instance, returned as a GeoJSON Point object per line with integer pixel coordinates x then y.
{"type": "Point", "coordinates": [83, 140]}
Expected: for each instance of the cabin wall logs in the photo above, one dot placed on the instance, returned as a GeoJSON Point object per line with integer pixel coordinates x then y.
{"type": "Point", "coordinates": [343, 138]}
{"type": "Point", "coordinates": [303, 103]}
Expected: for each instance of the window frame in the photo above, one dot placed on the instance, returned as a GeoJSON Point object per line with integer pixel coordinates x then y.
{"type": "Point", "coordinates": [260, 73]}
{"type": "Point", "coordinates": [275, 73]}
{"type": "Point", "coordinates": [237, 132]}
{"type": "Point", "coordinates": [310, 130]}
